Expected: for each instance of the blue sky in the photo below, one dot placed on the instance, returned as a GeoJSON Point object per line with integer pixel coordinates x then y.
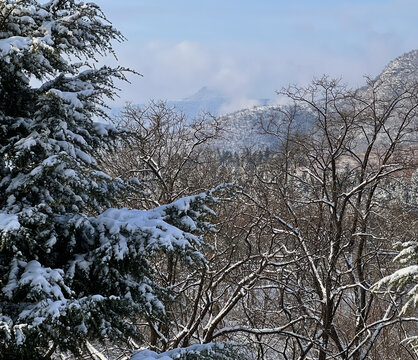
{"type": "Point", "coordinates": [247, 49]}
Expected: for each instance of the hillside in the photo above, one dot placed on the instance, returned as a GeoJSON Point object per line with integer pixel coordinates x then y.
{"type": "Point", "coordinates": [403, 69]}
{"type": "Point", "coordinates": [243, 129]}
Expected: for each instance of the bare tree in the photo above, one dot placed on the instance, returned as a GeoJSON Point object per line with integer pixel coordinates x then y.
{"type": "Point", "coordinates": [163, 152]}
{"type": "Point", "coordinates": [321, 191]}
{"type": "Point", "coordinates": [175, 157]}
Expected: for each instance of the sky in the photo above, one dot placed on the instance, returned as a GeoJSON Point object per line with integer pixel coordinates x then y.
{"type": "Point", "coordinates": [248, 49]}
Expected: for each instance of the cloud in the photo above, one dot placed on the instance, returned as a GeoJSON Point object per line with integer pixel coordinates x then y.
{"type": "Point", "coordinates": [237, 103]}
{"type": "Point", "coordinates": [249, 71]}
{"type": "Point", "coordinates": [249, 51]}
{"type": "Point", "coordinates": [176, 70]}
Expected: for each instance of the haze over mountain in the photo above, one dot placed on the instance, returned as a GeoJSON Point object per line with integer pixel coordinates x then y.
{"type": "Point", "coordinates": [241, 128]}
{"type": "Point", "coordinates": [209, 100]}
{"type": "Point", "coordinates": [206, 100]}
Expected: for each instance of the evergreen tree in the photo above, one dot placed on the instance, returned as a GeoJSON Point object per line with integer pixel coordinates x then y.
{"type": "Point", "coordinates": [404, 281]}
{"type": "Point", "coordinates": [72, 267]}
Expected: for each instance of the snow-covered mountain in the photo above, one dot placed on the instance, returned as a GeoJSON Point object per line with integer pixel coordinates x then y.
{"type": "Point", "coordinates": [403, 69]}
{"type": "Point", "coordinates": [242, 130]}
{"type": "Point", "coordinates": [241, 127]}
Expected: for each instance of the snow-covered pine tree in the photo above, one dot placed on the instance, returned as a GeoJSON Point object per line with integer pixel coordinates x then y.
{"type": "Point", "coordinates": [404, 281]}
{"type": "Point", "coordinates": [72, 268]}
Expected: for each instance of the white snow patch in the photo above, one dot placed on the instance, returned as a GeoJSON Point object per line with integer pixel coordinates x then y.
{"type": "Point", "coordinates": [8, 222]}
{"type": "Point", "coordinates": [44, 279]}
{"type": "Point", "coordinates": [173, 354]}
{"type": "Point", "coordinates": [14, 43]}
{"type": "Point", "coordinates": [69, 97]}
{"type": "Point", "coordinates": [148, 221]}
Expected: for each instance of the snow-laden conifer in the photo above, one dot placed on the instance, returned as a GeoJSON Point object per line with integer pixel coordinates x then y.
{"type": "Point", "coordinates": [404, 281]}
{"type": "Point", "coordinates": [72, 266]}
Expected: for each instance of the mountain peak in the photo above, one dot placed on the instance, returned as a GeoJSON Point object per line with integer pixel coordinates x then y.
{"type": "Point", "coordinates": [205, 93]}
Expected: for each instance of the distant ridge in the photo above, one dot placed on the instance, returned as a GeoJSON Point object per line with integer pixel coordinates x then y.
{"type": "Point", "coordinates": [205, 100]}
{"type": "Point", "coordinates": [241, 126]}
{"type": "Point", "coordinates": [204, 94]}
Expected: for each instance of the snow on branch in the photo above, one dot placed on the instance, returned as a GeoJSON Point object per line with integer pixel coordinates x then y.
{"type": "Point", "coordinates": [8, 222]}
